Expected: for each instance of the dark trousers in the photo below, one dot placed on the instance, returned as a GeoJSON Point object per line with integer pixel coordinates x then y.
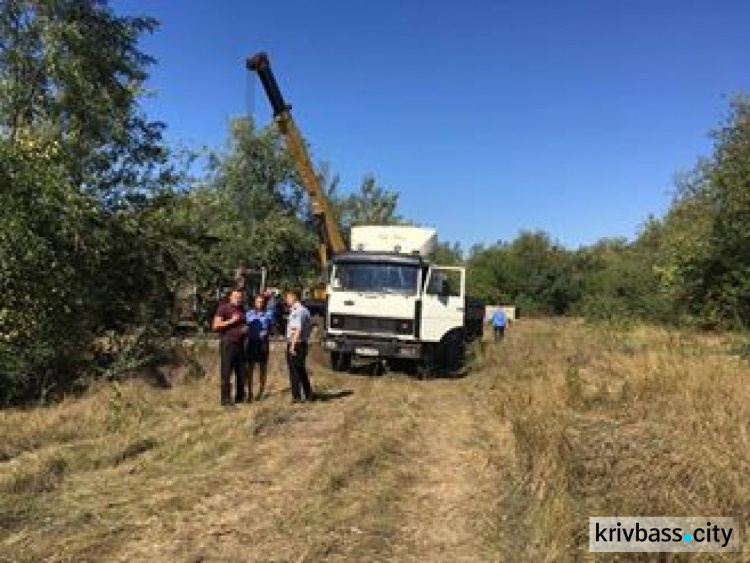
{"type": "Point", "coordinates": [499, 333]}
{"type": "Point", "coordinates": [299, 380]}
{"type": "Point", "coordinates": [232, 360]}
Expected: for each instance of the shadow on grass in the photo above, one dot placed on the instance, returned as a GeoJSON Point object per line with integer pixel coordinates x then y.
{"type": "Point", "coordinates": [326, 396]}
{"type": "Point", "coordinates": [322, 396]}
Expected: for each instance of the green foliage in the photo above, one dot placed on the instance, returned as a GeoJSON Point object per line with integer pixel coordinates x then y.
{"type": "Point", "coordinates": [618, 281]}
{"type": "Point", "coordinates": [44, 245]}
{"type": "Point", "coordinates": [609, 279]}
{"type": "Point", "coordinates": [87, 242]}
{"type": "Point", "coordinates": [370, 205]}
{"type": "Point", "coordinates": [448, 254]}
{"type": "Point", "coordinates": [71, 75]}
{"type": "Point", "coordinates": [705, 262]}
{"type": "Point", "coordinates": [252, 211]}
{"type": "Point", "coordinates": [531, 272]}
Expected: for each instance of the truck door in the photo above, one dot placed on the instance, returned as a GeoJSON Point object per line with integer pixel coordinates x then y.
{"type": "Point", "coordinates": [442, 302]}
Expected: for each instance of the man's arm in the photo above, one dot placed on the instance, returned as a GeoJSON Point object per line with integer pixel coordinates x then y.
{"type": "Point", "coordinates": [295, 329]}
{"type": "Point", "coordinates": [220, 324]}
{"type": "Point", "coordinates": [295, 337]}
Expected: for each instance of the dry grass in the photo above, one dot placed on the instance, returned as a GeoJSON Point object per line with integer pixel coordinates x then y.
{"type": "Point", "coordinates": [612, 422]}
{"type": "Point", "coordinates": [561, 422]}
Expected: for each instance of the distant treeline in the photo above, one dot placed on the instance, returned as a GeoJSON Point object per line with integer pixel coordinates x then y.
{"type": "Point", "coordinates": [101, 222]}
{"type": "Point", "coordinates": [691, 266]}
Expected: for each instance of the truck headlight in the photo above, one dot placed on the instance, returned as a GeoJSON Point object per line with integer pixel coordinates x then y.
{"type": "Point", "coordinates": [337, 321]}
{"type": "Point", "coordinates": [404, 327]}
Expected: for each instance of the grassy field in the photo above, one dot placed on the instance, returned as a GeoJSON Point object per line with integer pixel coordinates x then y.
{"type": "Point", "coordinates": [560, 422]}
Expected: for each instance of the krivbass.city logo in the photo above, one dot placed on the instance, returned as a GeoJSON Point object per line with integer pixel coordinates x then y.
{"type": "Point", "coordinates": [649, 533]}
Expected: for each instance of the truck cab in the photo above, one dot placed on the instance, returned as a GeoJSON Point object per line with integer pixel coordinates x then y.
{"type": "Point", "coordinates": [386, 300]}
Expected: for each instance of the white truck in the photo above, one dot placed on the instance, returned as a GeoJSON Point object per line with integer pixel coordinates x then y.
{"type": "Point", "coordinates": [387, 301]}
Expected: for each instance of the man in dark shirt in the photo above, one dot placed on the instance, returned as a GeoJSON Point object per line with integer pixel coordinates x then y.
{"type": "Point", "coordinates": [229, 321]}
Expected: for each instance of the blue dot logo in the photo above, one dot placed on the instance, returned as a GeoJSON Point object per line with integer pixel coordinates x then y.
{"type": "Point", "coordinates": [688, 538]}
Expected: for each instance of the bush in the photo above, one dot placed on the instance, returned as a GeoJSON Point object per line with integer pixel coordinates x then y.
{"type": "Point", "coordinates": [71, 270]}
{"type": "Point", "coordinates": [42, 275]}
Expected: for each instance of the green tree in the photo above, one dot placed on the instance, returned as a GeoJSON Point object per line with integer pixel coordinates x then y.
{"type": "Point", "coordinates": [488, 273]}
{"type": "Point", "coordinates": [448, 254]}
{"type": "Point", "coordinates": [705, 264]}
{"type": "Point", "coordinates": [43, 274]}
{"type": "Point", "coordinates": [254, 210]}
{"type": "Point", "coordinates": [531, 272]}
{"type": "Point", "coordinates": [72, 75]}
{"type": "Point", "coordinates": [86, 243]}
{"type": "Point", "coordinates": [370, 205]}
{"type": "Point", "coordinates": [618, 280]}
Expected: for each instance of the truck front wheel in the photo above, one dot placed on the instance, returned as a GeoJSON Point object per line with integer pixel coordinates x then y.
{"type": "Point", "coordinates": [425, 366]}
{"type": "Point", "coordinates": [454, 352]}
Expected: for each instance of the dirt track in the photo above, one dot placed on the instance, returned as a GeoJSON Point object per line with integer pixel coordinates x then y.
{"type": "Point", "coordinates": [383, 468]}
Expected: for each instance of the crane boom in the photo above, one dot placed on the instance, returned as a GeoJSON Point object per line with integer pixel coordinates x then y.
{"type": "Point", "coordinates": [331, 240]}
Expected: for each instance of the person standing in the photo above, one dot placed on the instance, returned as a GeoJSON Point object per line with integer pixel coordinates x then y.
{"type": "Point", "coordinates": [259, 325]}
{"type": "Point", "coordinates": [229, 322]}
{"type": "Point", "coordinates": [297, 335]}
{"type": "Point", "coordinates": [499, 321]}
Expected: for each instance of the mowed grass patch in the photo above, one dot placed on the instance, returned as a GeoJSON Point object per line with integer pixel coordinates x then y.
{"type": "Point", "coordinates": [83, 476]}
{"type": "Point", "coordinates": [135, 472]}
{"type": "Point", "coordinates": [355, 510]}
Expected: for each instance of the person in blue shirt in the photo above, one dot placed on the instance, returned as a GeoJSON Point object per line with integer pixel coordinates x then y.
{"type": "Point", "coordinates": [499, 321]}
{"type": "Point", "coordinates": [259, 325]}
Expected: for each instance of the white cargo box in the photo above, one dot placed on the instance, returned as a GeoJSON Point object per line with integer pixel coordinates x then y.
{"type": "Point", "coordinates": [511, 312]}
{"type": "Point", "coordinates": [404, 240]}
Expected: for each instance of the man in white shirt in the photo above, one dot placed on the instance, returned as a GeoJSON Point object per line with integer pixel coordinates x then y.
{"type": "Point", "coordinates": [297, 336]}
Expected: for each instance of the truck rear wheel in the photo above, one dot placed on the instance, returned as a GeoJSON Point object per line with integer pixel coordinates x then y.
{"type": "Point", "coordinates": [341, 361]}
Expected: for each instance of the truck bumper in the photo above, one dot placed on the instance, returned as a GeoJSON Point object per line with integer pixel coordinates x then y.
{"type": "Point", "coordinates": [371, 347]}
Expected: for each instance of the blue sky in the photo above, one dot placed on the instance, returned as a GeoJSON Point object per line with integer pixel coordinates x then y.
{"type": "Point", "coordinates": [487, 116]}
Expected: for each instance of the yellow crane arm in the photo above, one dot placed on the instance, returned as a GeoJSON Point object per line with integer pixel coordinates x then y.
{"type": "Point", "coordinates": [331, 240]}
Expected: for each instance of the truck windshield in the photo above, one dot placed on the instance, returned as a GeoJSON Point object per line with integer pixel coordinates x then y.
{"type": "Point", "coordinates": [378, 278]}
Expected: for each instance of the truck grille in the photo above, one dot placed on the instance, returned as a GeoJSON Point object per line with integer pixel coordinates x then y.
{"type": "Point", "coordinates": [372, 325]}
